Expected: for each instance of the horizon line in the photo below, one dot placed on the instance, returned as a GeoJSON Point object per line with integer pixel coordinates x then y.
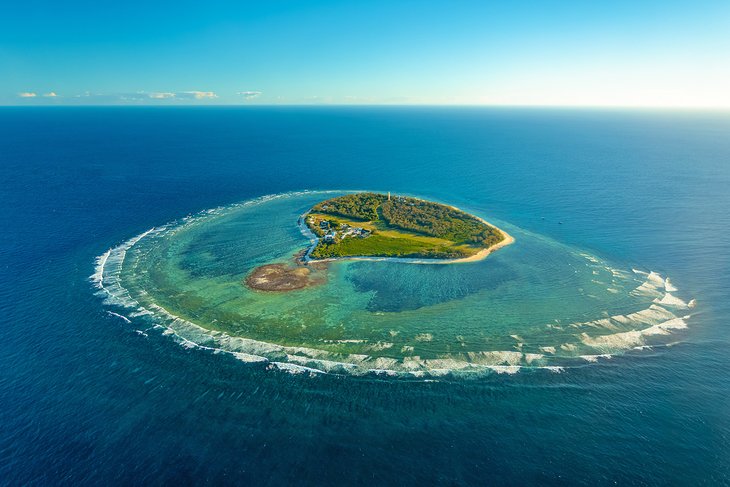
{"type": "Point", "coordinates": [366, 105]}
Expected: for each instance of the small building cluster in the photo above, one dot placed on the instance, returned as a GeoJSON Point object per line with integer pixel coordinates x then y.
{"type": "Point", "coordinates": [343, 231]}
{"type": "Point", "coordinates": [348, 231]}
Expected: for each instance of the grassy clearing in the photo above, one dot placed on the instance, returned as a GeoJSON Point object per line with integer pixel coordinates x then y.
{"type": "Point", "coordinates": [432, 231]}
{"type": "Point", "coordinates": [387, 242]}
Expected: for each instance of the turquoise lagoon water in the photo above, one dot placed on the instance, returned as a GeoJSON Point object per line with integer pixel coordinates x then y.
{"type": "Point", "coordinates": [537, 304]}
{"type": "Point", "coordinates": [96, 391]}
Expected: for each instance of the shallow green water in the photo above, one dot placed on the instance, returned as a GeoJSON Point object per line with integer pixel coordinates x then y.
{"type": "Point", "coordinates": [534, 304]}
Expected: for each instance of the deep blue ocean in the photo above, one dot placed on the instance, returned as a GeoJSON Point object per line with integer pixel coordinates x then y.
{"type": "Point", "coordinates": [85, 400]}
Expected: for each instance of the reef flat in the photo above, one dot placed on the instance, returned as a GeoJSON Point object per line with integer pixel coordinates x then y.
{"type": "Point", "coordinates": [542, 306]}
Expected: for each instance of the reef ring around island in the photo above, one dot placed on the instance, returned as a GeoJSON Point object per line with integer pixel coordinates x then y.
{"type": "Point", "coordinates": [536, 305]}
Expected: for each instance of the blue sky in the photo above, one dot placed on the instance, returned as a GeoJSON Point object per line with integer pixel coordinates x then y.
{"type": "Point", "coordinates": [603, 53]}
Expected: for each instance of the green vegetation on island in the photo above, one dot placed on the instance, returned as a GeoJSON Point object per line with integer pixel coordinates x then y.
{"type": "Point", "coordinates": [378, 225]}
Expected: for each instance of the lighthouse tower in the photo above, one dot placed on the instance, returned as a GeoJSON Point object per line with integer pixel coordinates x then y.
{"type": "Point", "coordinates": [388, 195]}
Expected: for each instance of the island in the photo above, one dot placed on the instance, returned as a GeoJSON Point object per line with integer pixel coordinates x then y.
{"type": "Point", "coordinates": [380, 226]}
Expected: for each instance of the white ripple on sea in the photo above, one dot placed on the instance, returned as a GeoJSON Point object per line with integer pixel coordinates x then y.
{"type": "Point", "coordinates": [112, 313]}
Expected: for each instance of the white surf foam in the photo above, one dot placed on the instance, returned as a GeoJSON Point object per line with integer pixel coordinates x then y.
{"type": "Point", "coordinates": [505, 369]}
{"type": "Point", "coordinates": [294, 368]}
{"type": "Point", "coordinates": [671, 300]}
{"type": "Point", "coordinates": [669, 287]}
{"type": "Point", "coordinates": [506, 357]}
{"type": "Point", "coordinates": [615, 341]}
{"type": "Point", "coordinates": [98, 275]}
{"type": "Point", "coordinates": [594, 358]}
{"type": "Point", "coordinates": [655, 279]}
{"type": "Point", "coordinates": [112, 313]}
{"type": "Point", "coordinates": [646, 289]}
{"type": "Point", "coordinates": [554, 368]}
{"type": "Point", "coordinates": [665, 327]}
{"type": "Point", "coordinates": [634, 338]}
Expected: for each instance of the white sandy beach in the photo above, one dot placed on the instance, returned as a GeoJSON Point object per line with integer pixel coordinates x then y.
{"type": "Point", "coordinates": [481, 255]}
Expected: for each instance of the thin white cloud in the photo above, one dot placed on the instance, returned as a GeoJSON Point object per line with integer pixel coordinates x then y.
{"type": "Point", "coordinates": [250, 95]}
{"type": "Point", "coordinates": [134, 97]}
{"type": "Point", "coordinates": [138, 97]}
{"type": "Point", "coordinates": [198, 95]}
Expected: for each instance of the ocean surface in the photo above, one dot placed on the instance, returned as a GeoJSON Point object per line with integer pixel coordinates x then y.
{"type": "Point", "coordinates": [90, 394]}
